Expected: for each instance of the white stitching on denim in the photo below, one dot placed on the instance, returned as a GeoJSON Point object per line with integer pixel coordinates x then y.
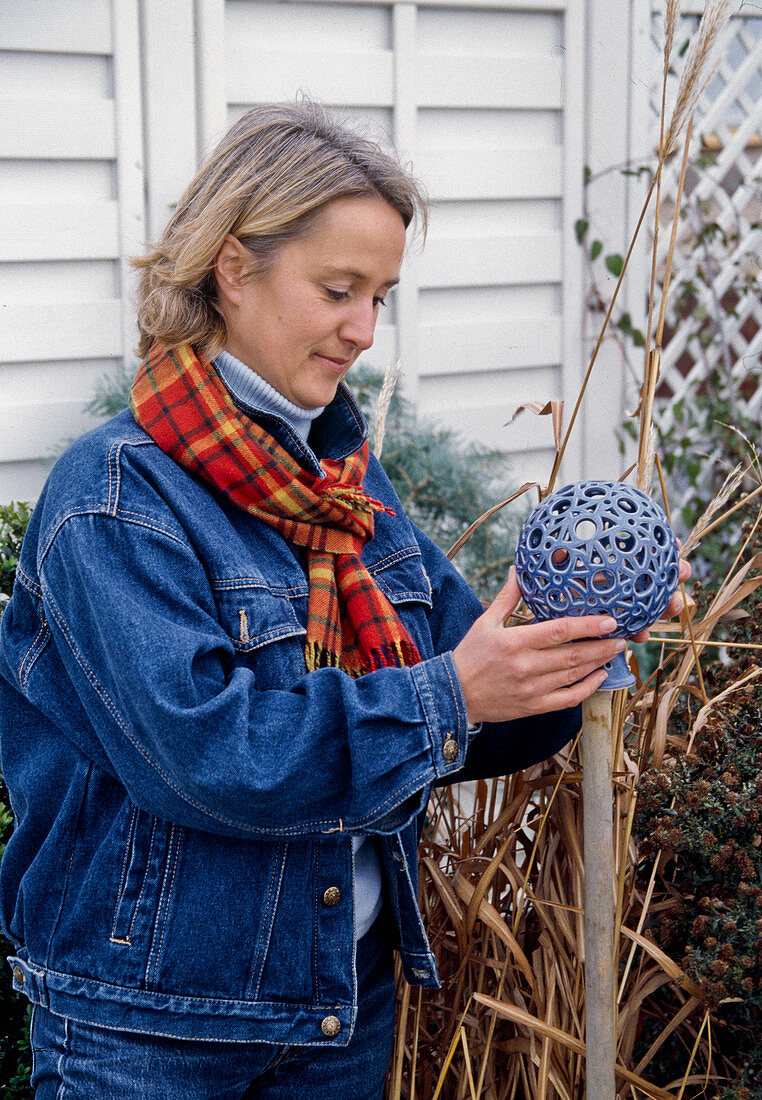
{"type": "Point", "coordinates": [314, 951]}
{"type": "Point", "coordinates": [123, 874]}
{"type": "Point", "coordinates": [266, 945]}
{"type": "Point", "coordinates": [108, 467]}
{"type": "Point", "coordinates": [149, 857]}
{"type": "Point", "coordinates": [38, 644]}
{"type": "Point", "coordinates": [151, 524]}
{"type": "Point", "coordinates": [229, 584]}
{"type": "Point", "coordinates": [28, 583]}
{"type": "Point", "coordinates": [173, 855]}
{"type": "Point", "coordinates": [456, 693]}
{"type": "Point", "coordinates": [401, 554]}
{"type": "Point", "coordinates": [46, 972]}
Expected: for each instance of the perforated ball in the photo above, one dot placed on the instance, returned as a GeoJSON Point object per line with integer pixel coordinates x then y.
{"type": "Point", "coordinates": [598, 548]}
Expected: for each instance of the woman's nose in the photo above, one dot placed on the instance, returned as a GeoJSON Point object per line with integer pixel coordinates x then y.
{"type": "Point", "coordinates": [358, 327]}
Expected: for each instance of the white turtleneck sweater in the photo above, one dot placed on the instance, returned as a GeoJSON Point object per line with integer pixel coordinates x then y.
{"type": "Point", "coordinates": [252, 391]}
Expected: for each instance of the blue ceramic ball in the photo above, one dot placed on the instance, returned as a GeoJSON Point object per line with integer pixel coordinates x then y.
{"type": "Point", "coordinates": [598, 548]}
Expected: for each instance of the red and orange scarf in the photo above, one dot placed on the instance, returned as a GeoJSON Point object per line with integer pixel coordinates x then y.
{"type": "Point", "coordinates": [178, 398]}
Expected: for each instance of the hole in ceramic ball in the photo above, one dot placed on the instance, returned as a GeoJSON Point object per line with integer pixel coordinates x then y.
{"type": "Point", "coordinates": [558, 507]}
{"type": "Point", "coordinates": [595, 491]}
{"type": "Point", "coordinates": [560, 558]}
{"type": "Point", "coordinates": [643, 584]}
{"type": "Point", "coordinates": [628, 506]}
{"type": "Point", "coordinates": [603, 580]}
{"type": "Point", "coordinates": [660, 535]}
{"type": "Point", "coordinates": [585, 529]}
{"type": "Point", "coordinates": [625, 541]}
{"type": "Point", "coordinates": [558, 600]}
{"type": "Point", "coordinates": [534, 538]}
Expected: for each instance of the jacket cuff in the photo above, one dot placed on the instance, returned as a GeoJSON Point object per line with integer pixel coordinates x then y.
{"type": "Point", "coordinates": [444, 708]}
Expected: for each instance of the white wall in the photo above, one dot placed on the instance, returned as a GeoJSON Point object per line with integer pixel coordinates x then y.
{"type": "Point", "coordinates": [108, 104]}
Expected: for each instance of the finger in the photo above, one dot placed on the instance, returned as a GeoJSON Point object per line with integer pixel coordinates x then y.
{"type": "Point", "coordinates": [685, 569]}
{"type": "Point", "coordinates": [580, 658]}
{"type": "Point", "coordinates": [571, 696]}
{"type": "Point", "coordinates": [506, 600]}
{"type": "Point", "coordinates": [570, 628]}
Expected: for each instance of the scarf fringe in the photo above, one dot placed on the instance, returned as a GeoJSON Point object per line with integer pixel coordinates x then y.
{"type": "Point", "coordinates": [389, 655]}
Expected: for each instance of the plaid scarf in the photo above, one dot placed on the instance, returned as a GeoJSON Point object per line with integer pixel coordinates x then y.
{"type": "Point", "coordinates": [178, 398]}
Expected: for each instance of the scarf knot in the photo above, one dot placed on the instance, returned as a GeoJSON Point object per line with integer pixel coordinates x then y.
{"type": "Point", "coordinates": [180, 401]}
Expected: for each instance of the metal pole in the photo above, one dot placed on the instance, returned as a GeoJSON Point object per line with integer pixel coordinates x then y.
{"type": "Point", "coordinates": [597, 793]}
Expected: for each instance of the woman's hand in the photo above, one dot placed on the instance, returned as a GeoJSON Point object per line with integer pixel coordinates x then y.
{"type": "Point", "coordinates": [510, 673]}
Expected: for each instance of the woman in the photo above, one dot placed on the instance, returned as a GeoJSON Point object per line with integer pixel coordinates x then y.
{"type": "Point", "coordinates": [232, 669]}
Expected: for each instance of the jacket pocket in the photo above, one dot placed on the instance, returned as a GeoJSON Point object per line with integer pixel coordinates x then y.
{"type": "Point", "coordinates": [144, 845]}
{"type": "Point", "coordinates": [266, 626]}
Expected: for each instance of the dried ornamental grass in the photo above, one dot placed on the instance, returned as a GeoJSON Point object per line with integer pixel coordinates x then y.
{"type": "Point", "coordinates": [502, 867]}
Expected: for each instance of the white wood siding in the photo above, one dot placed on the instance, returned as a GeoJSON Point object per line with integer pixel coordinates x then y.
{"type": "Point", "coordinates": [71, 209]}
{"type": "Point", "coordinates": [107, 105]}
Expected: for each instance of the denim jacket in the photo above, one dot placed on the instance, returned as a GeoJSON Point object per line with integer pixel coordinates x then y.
{"type": "Point", "coordinates": [184, 793]}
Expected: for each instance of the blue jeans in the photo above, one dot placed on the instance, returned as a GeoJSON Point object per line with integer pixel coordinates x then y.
{"type": "Point", "coordinates": [77, 1061]}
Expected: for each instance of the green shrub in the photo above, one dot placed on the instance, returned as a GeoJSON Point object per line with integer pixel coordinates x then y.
{"type": "Point", "coordinates": [701, 816]}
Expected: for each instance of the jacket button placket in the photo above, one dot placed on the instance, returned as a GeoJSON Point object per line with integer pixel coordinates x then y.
{"type": "Point", "coordinates": [334, 921]}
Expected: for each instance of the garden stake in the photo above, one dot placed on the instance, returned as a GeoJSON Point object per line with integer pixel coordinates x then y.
{"type": "Point", "coordinates": [600, 1002]}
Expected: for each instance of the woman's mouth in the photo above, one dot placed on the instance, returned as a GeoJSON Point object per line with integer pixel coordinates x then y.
{"type": "Point", "coordinates": [338, 365]}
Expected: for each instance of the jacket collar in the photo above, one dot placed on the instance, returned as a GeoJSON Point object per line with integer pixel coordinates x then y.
{"type": "Point", "coordinates": [339, 431]}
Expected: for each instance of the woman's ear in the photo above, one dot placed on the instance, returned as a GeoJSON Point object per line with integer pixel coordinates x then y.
{"type": "Point", "coordinates": [231, 265]}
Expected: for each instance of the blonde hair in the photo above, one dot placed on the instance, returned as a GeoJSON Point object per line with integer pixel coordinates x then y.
{"type": "Point", "coordinates": [265, 183]}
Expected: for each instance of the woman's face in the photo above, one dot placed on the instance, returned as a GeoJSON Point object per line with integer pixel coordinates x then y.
{"type": "Point", "coordinates": [303, 322]}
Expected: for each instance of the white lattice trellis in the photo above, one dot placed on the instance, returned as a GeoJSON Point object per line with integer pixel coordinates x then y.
{"type": "Point", "coordinates": [714, 317]}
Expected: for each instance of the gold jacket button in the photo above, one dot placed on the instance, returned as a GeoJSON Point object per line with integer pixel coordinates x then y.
{"type": "Point", "coordinates": [18, 975]}
{"type": "Point", "coordinates": [450, 749]}
{"type": "Point", "coordinates": [332, 896]}
{"type": "Point", "coordinates": [331, 1026]}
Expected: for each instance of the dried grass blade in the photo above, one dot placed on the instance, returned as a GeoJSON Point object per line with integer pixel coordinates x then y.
{"type": "Point", "coordinates": [399, 1054]}
{"type": "Point", "coordinates": [664, 710]}
{"type": "Point", "coordinates": [703, 715]}
{"type": "Point", "coordinates": [490, 916]}
{"type": "Point", "coordinates": [687, 1078]}
{"type": "Point", "coordinates": [674, 972]}
{"type": "Point", "coordinates": [688, 1008]}
{"type": "Point", "coordinates": [449, 900]}
{"type": "Point", "coordinates": [471, 1084]}
{"type": "Point", "coordinates": [461, 542]}
{"type": "Point", "coordinates": [520, 1016]}
{"type": "Point", "coordinates": [547, 408]}
{"type": "Point", "coordinates": [483, 886]}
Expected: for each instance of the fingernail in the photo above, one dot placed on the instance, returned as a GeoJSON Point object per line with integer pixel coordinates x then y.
{"type": "Point", "coordinates": [621, 645]}
{"type": "Point", "coordinates": [608, 624]}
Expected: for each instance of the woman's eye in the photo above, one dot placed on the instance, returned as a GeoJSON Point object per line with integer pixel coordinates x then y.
{"type": "Point", "coordinates": [379, 302]}
{"type": "Point", "coordinates": [336, 295]}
